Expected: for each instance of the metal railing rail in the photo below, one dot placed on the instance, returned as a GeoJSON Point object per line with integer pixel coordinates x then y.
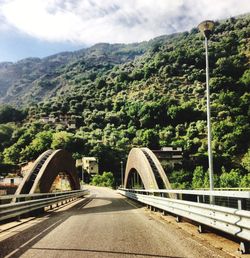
{"type": "Point", "coordinates": [233, 194]}
{"type": "Point", "coordinates": [33, 202]}
{"type": "Point", "coordinates": [232, 221]}
{"type": "Point", "coordinates": [231, 199]}
{"type": "Point", "coordinates": [226, 189]}
{"type": "Point", "coordinates": [19, 197]}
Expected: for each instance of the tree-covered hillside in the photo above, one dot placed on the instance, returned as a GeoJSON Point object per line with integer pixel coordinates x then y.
{"type": "Point", "coordinates": [31, 80]}
{"type": "Point", "coordinates": [150, 94]}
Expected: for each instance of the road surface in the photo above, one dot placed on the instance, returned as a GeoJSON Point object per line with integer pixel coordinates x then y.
{"type": "Point", "coordinates": [104, 224]}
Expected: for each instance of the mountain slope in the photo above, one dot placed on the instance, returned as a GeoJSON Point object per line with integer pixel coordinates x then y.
{"type": "Point", "coordinates": [33, 79]}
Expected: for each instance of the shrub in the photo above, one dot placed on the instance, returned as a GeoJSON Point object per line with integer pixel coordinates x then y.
{"type": "Point", "coordinates": [106, 179]}
{"type": "Point", "coordinates": [231, 179]}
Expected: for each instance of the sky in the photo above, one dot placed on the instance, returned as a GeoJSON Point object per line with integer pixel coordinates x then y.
{"type": "Point", "coordinates": [39, 28]}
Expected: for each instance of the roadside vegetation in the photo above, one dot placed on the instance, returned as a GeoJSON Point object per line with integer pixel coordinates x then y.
{"type": "Point", "coordinates": [106, 180]}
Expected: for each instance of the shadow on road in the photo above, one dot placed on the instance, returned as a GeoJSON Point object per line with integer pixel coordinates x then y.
{"type": "Point", "coordinates": [104, 205]}
{"type": "Point", "coordinates": [104, 252]}
{"type": "Point", "coordinates": [18, 244]}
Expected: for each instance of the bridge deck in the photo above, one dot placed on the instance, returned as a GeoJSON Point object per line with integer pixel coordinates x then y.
{"type": "Point", "coordinates": [107, 226]}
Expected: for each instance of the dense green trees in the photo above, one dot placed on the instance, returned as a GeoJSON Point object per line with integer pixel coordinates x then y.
{"type": "Point", "coordinates": [6, 131]}
{"type": "Point", "coordinates": [246, 161]}
{"type": "Point", "coordinates": [62, 140]}
{"type": "Point", "coordinates": [10, 114]}
{"type": "Point", "coordinates": [38, 145]}
{"type": "Point", "coordinates": [246, 77]}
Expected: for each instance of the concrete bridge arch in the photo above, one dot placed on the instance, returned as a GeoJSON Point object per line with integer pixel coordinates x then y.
{"type": "Point", "coordinates": [44, 171]}
{"type": "Point", "coordinates": [146, 164]}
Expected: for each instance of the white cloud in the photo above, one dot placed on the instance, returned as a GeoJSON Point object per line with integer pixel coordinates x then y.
{"type": "Point", "coordinates": [92, 21]}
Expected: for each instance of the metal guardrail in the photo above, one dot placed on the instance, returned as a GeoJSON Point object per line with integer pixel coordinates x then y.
{"type": "Point", "coordinates": [30, 202]}
{"type": "Point", "coordinates": [226, 189]}
{"type": "Point", "coordinates": [239, 194]}
{"type": "Point", "coordinates": [231, 199]}
{"type": "Point", "coordinates": [21, 197]}
{"type": "Point", "coordinates": [232, 221]}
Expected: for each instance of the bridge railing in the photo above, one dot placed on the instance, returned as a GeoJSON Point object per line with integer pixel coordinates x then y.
{"type": "Point", "coordinates": [229, 198]}
{"type": "Point", "coordinates": [234, 221]}
{"type": "Point", "coordinates": [25, 203]}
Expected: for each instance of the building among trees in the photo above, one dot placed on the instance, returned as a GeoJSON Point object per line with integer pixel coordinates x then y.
{"type": "Point", "coordinates": [89, 164]}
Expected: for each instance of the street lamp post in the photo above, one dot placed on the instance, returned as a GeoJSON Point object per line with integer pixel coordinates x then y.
{"type": "Point", "coordinates": [122, 172]}
{"type": "Point", "coordinates": [206, 28]}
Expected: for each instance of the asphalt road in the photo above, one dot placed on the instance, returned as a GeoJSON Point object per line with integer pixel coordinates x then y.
{"type": "Point", "coordinates": [103, 225]}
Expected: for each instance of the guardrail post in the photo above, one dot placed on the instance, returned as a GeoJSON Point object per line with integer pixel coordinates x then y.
{"type": "Point", "coordinates": [178, 219]}
{"type": "Point", "coordinates": [201, 229]}
{"type": "Point", "coordinates": [241, 204]}
{"type": "Point", "coordinates": [164, 213]}
{"type": "Point", "coordinates": [244, 247]}
{"type": "Point", "coordinates": [19, 216]}
{"type": "Point", "coordinates": [212, 199]}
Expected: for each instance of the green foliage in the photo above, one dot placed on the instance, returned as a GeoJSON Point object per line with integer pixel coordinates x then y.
{"type": "Point", "coordinates": [5, 135]}
{"type": "Point", "coordinates": [178, 113]}
{"type": "Point", "coordinates": [180, 179]}
{"type": "Point", "coordinates": [62, 140]}
{"type": "Point", "coordinates": [245, 181]}
{"type": "Point", "coordinates": [245, 162]}
{"type": "Point", "coordinates": [10, 114]}
{"type": "Point", "coordinates": [106, 179]}
{"type": "Point", "coordinates": [230, 179]}
{"type": "Point", "coordinates": [246, 77]}
{"type": "Point", "coordinates": [198, 178]}
{"type": "Point", "coordinates": [12, 154]}
{"type": "Point", "coordinates": [148, 138]}
{"type": "Point", "coordinates": [39, 144]}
